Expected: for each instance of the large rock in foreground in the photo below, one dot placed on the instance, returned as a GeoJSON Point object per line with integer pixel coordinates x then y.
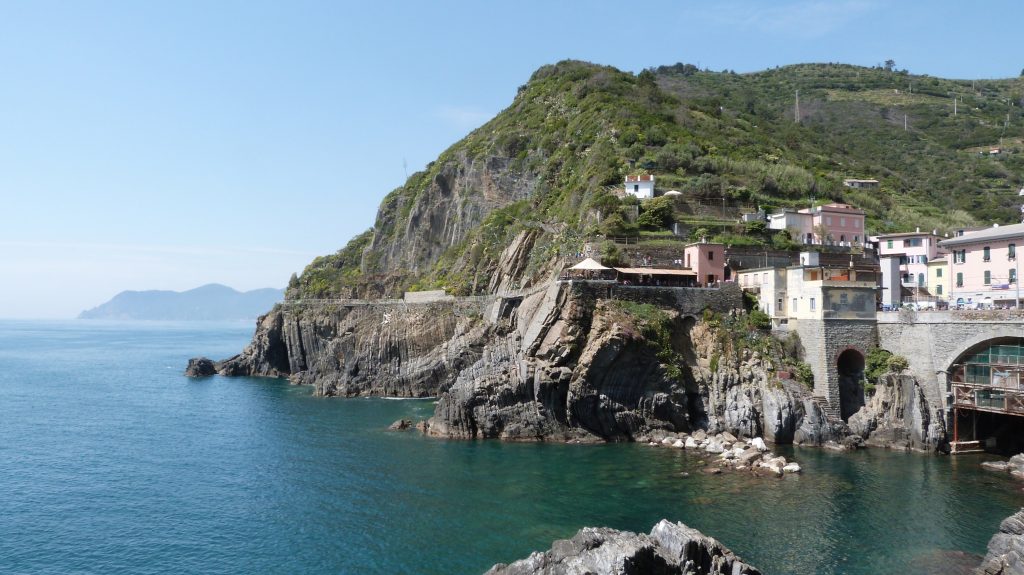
{"type": "Point", "coordinates": [1006, 548]}
{"type": "Point", "coordinates": [671, 548]}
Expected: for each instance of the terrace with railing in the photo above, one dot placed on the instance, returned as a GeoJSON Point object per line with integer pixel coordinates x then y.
{"type": "Point", "coordinates": [991, 380]}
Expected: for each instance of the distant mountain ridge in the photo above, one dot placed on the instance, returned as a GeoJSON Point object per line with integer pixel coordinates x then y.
{"type": "Point", "coordinates": [208, 302]}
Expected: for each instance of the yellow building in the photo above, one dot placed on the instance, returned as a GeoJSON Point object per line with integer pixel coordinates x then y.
{"type": "Point", "coordinates": [939, 283]}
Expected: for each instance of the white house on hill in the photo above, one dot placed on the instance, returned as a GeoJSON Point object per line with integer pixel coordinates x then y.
{"type": "Point", "coordinates": [640, 186]}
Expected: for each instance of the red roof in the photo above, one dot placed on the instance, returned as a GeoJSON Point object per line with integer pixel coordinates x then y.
{"type": "Point", "coordinates": [647, 178]}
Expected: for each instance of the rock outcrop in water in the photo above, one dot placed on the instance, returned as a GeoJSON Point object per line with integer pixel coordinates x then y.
{"type": "Point", "coordinates": [200, 367]}
{"type": "Point", "coordinates": [1006, 548]}
{"type": "Point", "coordinates": [898, 416]}
{"type": "Point", "coordinates": [670, 548]}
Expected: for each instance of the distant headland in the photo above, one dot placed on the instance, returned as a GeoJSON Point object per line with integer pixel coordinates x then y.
{"type": "Point", "coordinates": [208, 302]}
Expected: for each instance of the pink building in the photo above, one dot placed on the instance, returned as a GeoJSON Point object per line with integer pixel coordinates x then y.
{"type": "Point", "coordinates": [707, 260]}
{"type": "Point", "coordinates": [912, 251]}
{"type": "Point", "coordinates": [983, 265]}
{"type": "Point", "coordinates": [842, 224]}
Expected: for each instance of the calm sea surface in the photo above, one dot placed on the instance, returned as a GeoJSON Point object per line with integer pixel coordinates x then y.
{"type": "Point", "coordinates": [111, 461]}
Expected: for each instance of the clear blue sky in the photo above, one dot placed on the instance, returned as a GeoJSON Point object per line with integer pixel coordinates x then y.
{"type": "Point", "coordinates": [163, 145]}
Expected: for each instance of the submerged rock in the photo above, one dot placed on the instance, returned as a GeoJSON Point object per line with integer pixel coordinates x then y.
{"type": "Point", "coordinates": [1006, 548]}
{"type": "Point", "coordinates": [200, 367]}
{"type": "Point", "coordinates": [670, 548]}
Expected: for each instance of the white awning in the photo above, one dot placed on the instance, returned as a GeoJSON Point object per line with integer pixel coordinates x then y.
{"type": "Point", "coordinates": [589, 264]}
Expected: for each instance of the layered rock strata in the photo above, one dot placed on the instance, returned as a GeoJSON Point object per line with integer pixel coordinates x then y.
{"type": "Point", "coordinates": [670, 548]}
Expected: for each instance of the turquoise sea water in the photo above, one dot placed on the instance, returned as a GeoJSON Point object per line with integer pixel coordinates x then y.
{"type": "Point", "coordinates": [112, 462]}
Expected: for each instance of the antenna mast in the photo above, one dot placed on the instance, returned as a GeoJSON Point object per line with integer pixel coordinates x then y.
{"type": "Point", "coordinates": [796, 115]}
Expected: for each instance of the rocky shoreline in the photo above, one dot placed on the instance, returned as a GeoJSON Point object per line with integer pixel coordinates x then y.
{"type": "Point", "coordinates": [570, 362]}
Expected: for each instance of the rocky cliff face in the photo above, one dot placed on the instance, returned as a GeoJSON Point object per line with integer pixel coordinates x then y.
{"type": "Point", "coordinates": [390, 350]}
{"type": "Point", "coordinates": [670, 548]}
{"type": "Point", "coordinates": [569, 365]}
{"type": "Point", "coordinates": [416, 226]}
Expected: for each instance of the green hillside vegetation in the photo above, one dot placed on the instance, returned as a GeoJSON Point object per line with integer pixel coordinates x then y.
{"type": "Point", "coordinates": [722, 139]}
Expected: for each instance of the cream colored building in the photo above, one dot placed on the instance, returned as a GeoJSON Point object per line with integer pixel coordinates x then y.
{"type": "Point", "coordinates": [769, 285]}
{"type": "Point", "coordinates": [824, 292]}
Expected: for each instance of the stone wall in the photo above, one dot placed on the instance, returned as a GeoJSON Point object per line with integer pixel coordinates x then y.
{"type": "Point", "coordinates": [426, 296]}
{"type": "Point", "coordinates": [687, 301]}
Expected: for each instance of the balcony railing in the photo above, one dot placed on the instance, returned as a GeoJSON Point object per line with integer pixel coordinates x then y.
{"type": "Point", "coordinates": [988, 398]}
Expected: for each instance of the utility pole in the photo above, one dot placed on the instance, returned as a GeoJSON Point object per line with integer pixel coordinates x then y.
{"type": "Point", "coordinates": [904, 122]}
{"type": "Point", "coordinates": [954, 106]}
{"type": "Point", "coordinates": [796, 115]}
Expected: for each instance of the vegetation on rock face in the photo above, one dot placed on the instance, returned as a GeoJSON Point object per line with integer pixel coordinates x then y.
{"type": "Point", "coordinates": [656, 326]}
{"type": "Point", "coordinates": [880, 362]}
{"type": "Point", "coordinates": [576, 129]}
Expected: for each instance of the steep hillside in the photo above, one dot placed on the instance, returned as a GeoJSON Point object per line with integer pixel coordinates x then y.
{"type": "Point", "coordinates": [503, 204]}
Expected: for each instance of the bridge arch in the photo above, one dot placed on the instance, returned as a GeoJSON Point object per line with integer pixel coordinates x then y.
{"type": "Point", "coordinates": [977, 341]}
{"type": "Point", "coordinates": [850, 369]}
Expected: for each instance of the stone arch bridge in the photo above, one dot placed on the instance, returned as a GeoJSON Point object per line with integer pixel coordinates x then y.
{"type": "Point", "coordinates": [934, 341]}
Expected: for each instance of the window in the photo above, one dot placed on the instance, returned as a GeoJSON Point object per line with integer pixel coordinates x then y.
{"type": "Point", "coordinates": [1013, 276]}
{"type": "Point", "coordinates": [636, 187]}
{"type": "Point", "coordinates": [986, 254]}
{"type": "Point", "coordinates": [711, 256]}
{"type": "Point", "coordinates": [856, 223]}
{"type": "Point", "coordinates": [959, 279]}
{"type": "Point", "coordinates": [855, 239]}
{"type": "Point", "coordinates": [844, 298]}
{"type": "Point", "coordinates": [920, 280]}
{"type": "Point", "coordinates": [938, 272]}
{"type": "Point", "coordinates": [842, 222]}
{"type": "Point", "coordinates": [888, 244]}
{"type": "Point", "coordinates": [988, 278]}
{"type": "Point", "coordinates": [813, 307]}
{"type": "Point", "coordinates": [1011, 251]}
{"type": "Point", "coordinates": [794, 305]}
{"type": "Point", "coordinates": [959, 256]}
{"type": "Point", "coordinates": [828, 220]}
{"type": "Point", "coordinates": [842, 237]}
{"type": "Point", "coordinates": [938, 289]}
{"type": "Point", "coordinates": [912, 243]}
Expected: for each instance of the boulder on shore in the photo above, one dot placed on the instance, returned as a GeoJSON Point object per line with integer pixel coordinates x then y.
{"type": "Point", "coordinates": [1006, 548]}
{"type": "Point", "coordinates": [200, 367]}
{"type": "Point", "coordinates": [670, 548]}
